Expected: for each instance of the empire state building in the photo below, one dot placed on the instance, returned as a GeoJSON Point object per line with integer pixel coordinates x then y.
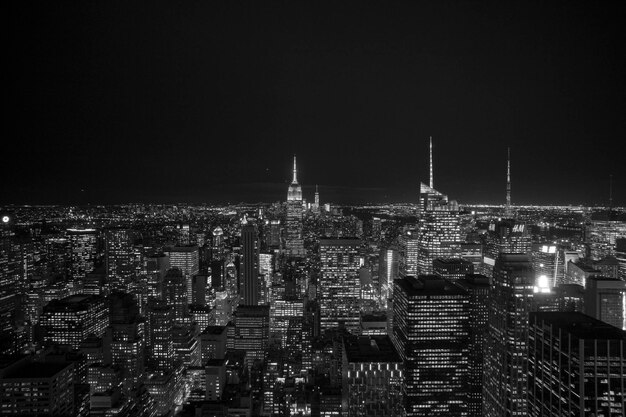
{"type": "Point", "coordinates": [294, 242]}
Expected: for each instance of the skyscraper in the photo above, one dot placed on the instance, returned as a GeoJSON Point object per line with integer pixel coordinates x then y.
{"type": "Point", "coordinates": [119, 258]}
{"type": "Point", "coordinates": [575, 366]}
{"type": "Point", "coordinates": [175, 294]}
{"type": "Point", "coordinates": [294, 241]}
{"type": "Point", "coordinates": [505, 370]}
{"type": "Point", "coordinates": [339, 284]}
{"type": "Point", "coordinates": [70, 320]}
{"type": "Point", "coordinates": [605, 299]}
{"type": "Point", "coordinates": [478, 289]}
{"type": "Point", "coordinates": [187, 260]}
{"type": "Point", "coordinates": [431, 334]}
{"type": "Point", "coordinates": [372, 375]}
{"type": "Point", "coordinates": [83, 246]}
{"type": "Point", "coordinates": [250, 265]}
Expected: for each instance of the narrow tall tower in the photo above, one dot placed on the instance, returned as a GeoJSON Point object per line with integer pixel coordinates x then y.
{"type": "Point", "coordinates": [317, 197]}
{"type": "Point", "coordinates": [508, 181]}
{"type": "Point", "coordinates": [432, 183]}
{"type": "Point", "coordinates": [295, 172]}
{"type": "Point", "coordinates": [611, 192]}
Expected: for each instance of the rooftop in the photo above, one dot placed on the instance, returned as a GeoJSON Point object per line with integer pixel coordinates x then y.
{"type": "Point", "coordinates": [370, 349]}
{"type": "Point", "coordinates": [424, 285]}
{"type": "Point", "coordinates": [37, 370]}
{"type": "Point", "coordinates": [580, 325]}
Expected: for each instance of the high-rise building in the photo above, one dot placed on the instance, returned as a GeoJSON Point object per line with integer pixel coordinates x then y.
{"type": "Point", "coordinates": [37, 389]}
{"type": "Point", "coordinates": [294, 241]}
{"type": "Point", "coordinates": [372, 376]}
{"type": "Point", "coordinates": [250, 284]}
{"type": "Point", "coordinates": [452, 268]}
{"type": "Point", "coordinates": [155, 267]}
{"type": "Point", "coordinates": [478, 289]}
{"type": "Point", "coordinates": [603, 231]}
{"type": "Point", "coordinates": [605, 299]}
{"type": "Point", "coordinates": [125, 338]}
{"type": "Point", "coordinates": [439, 225]}
{"type": "Point", "coordinates": [83, 243]}
{"type": "Point", "coordinates": [251, 331]}
{"type": "Point", "coordinates": [575, 366]}
{"type": "Point", "coordinates": [217, 249]}
{"type": "Point", "coordinates": [160, 336]}
{"type": "Point", "coordinates": [411, 252]}
{"type": "Point", "coordinates": [505, 369]}
{"type": "Point", "coordinates": [70, 320]}
{"type": "Point", "coordinates": [187, 260]}
{"type": "Point", "coordinates": [431, 334]}
{"type": "Point", "coordinates": [339, 284]}
{"type": "Point", "coordinates": [120, 258]}
{"type": "Point", "coordinates": [175, 294]}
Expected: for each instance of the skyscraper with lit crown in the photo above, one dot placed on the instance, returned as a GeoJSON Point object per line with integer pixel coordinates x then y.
{"type": "Point", "coordinates": [294, 242]}
{"type": "Point", "coordinates": [440, 230]}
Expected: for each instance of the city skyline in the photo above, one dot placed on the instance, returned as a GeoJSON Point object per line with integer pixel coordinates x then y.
{"type": "Point", "coordinates": [207, 103]}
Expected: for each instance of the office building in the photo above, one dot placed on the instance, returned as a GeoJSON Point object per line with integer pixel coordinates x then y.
{"type": "Point", "coordinates": [431, 334]}
{"type": "Point", "coordinates": [506, 365]}
{"type": "Point", "coordinates": [452, 268]}
{"type": "Point", "coordinates": [187, 260]}
{"type": "Point", "coordinates": [83, 244]}
{"type": "Point", "coordinates": [605, 300]}
{"type": "Point", "coordinates": [70, 320]}
{"type": "Point", "coordinates": [575, 366]}
{"type": "Point", "coordinates": [37, 389]}
{"type": "Point", "coordinates": [339, 285]}
{"type": "Point", "coordinates": [251, 331]}
{"type": "Point", "coordinates": [372, 376]}
{"type": "Point", "coordinates": [250, 284]}
{"type": "Point", "coordinates": [478, 289]}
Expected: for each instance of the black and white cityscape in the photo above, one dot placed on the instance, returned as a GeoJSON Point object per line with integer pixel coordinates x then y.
{"type": "Point", "coordinates": [294, 209]}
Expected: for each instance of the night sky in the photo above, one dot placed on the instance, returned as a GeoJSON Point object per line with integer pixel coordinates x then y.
{"type": "Point", "coordinates": [206, 102]}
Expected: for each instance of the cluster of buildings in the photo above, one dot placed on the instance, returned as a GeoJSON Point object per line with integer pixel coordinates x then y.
{"type": "Point", "coordinates": [294, 309]}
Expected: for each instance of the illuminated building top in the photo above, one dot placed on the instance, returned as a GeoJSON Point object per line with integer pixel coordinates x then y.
{"type": "Point", "coordinates": [294, 192]}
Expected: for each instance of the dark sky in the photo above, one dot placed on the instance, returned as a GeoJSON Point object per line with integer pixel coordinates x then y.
{"type": "Point", "coordinates": [208, 101]}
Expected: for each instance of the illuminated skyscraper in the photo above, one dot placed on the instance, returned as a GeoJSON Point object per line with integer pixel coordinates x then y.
{"type": "Point", "coordinates": [439, 230]}
{"type": "Point", "coordinates": [431, 334]}
{"type": "Point", "coordinates": [339, 284]}
{"type": "Point", "coordinates": [120, 258]}
{"type": "Point", "coordinates": [217, 249]}
{"type": "Point", "coordinates": [505, 369]}
{"type": "Point", "coordinates": [605, 299]}
{"type": "Point", "coordinates": [575, 366]}
{"type": "Point", "coordinates": [83, 245]}
{"type": "Point", "coordinates": [294, 241]}
{"type": "Point", "coordinates": [411, 251]}
{"type": "Point", "coordinates": [187, 260]}
{"type": "Point", "coordinates": [250, 284]}
{"type": "Point", "coordinates": [251, 331]}
{"type": "Point", "coordinates": [372, 375]}
{"type": "Point", "coordinates": [70, 320]}
{"type": "Point", "coordinates": [478, 289]}
{"type": "Point", "coordinates": [160, 336]}
{"type": "Point", "coordinates": [175, 294]}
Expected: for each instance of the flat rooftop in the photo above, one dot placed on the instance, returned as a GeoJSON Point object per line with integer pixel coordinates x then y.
{"type": "Point", "coordinates": [370, 349]}
{"type": "Point", "coordinates": [423, 285]}
{"type": "Point", "coordinates": [34, 370]}
{"type": "Point", "coordinates": [579, 325]}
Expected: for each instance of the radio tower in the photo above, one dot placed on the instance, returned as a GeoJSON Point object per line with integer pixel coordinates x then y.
{"type": "Point", "coordinates": [432, 183]}
{"type": "Point", "coordinates": [508, 182]}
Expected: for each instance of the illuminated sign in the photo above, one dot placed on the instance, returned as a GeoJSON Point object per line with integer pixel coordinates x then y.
{"type": "Point", "coordinates": [492, 227]}
{"type": "Point", "coordinates": [518, 228]}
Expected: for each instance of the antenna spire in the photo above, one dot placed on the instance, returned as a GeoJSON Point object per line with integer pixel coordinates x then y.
{"type": "Point", "coordinates": [432, 183]}
{"type": "Point", "coordinates": [295, 173]}
{"type": "Point", "coordinates": [610, 191]}
{"type": "Point", "coordinates": [508, 181]}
